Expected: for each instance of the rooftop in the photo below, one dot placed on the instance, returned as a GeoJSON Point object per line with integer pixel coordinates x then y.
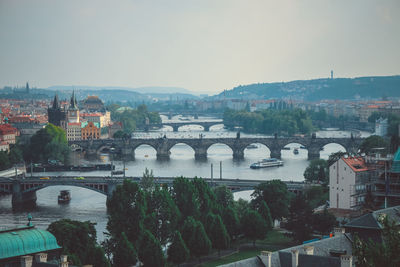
{"type": "Point", "coordinates": [357, 164]}
{"type": "Point", "coordinates": [372, 220]}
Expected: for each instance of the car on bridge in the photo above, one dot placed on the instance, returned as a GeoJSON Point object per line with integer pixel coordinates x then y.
{"type": "Point", "coordinates": [44, 178]}
{"type": "Point", "coordinates": [79, 178]}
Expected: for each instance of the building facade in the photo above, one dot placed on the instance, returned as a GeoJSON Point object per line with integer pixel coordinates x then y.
{"type": "Point", "coordinates": [8, 134]}
{"type": "Point", "coordinates": [56, 114]}
{"type": "Point", "coordinates": [90, 130]}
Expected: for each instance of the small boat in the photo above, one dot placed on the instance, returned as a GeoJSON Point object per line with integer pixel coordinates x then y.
{"type": "Point", "coordinates": [302, 147]}
{"type": "Point", "coordinates": [286, 148]}
{"type": "Point", "coordinates": [296, 151]}
{"type": "Point", "coordinates": [251, 146]}
{"type": "Point", "coordinates": [265, 163]}
{"type": "Point", "coordinates": [64, 197]}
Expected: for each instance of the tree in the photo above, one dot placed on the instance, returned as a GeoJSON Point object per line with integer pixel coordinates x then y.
{"type": "Point", "coordinates": [369, 253]}
{"type": "Point", "coordinates": [316, 196]}
{"type": "Point", "coordinates": [178, 251]}
{"type": "Point", "coordinates": [253, 226]}
{"type": "Point", "coordinates": [324, 222]}
{"type": "Point", "coordinates": [231, 221]}
{"type": "Point", "coordinates": [147, 182]}
{"type": "Point", "coordinates": [206, 197]}
{"type": "Point", "coordinates": [335, 157]}
{"type": "Point", "coordinates": [317, 171]}
{"type": "Point", "coordinates": [300, 219]}
{"type": "Point", "coordinates": [78, 240]}
{"type": "Point", "coordinates": [48, 143]}
{"type": "Point", "coordinates": [4, 162]}
{"type": "Point", "coordinates": [266, 214]}
{"type": "Point", "coordinates": [165, 214]}
{"type": "Point", "coordinates": [150, 252]}
{"type": "Point", "coordinates": [125, 254]}
{"type": "Point", "coordinates": [195, 237]}
{"type": "Point", "coordinates": [185, 196]}
{"type": "Point", "coordinates": [241, 206]}
{"type": "Point", "coordinates": [223, 196]}
{"type": "Point", "coordinates": [374, 142]}
{"type": "Point", "coordinates": [217, 232]}
{"type": "Point", "coordinates": [275, 195]}
{"type": "Point", "coordinates": [126, 208]}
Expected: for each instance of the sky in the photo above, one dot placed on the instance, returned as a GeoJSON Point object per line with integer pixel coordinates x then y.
{"type": "Point", "coordinates": [205, 46]}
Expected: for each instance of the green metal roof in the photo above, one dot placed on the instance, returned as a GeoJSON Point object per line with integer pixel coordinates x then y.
{"type": "Point", "coordinates": [396, 162]}
{"type": "Point", "coordinates": [27, 240]}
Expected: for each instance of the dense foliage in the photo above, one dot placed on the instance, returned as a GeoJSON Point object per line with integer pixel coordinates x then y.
{"type": "Point", "coordinates": [374, 143]}
{"type": "Point", "coordinates": [49, 143]}
{"type": "Point", "coordinates": [317, 171]}
{"type": "Point", "coordinates": [369, 253]}
{"type": "Point", "coordinates": [78, 241]}
{"type": "Point", "coordinates": [270, 121]}
{"type": "Point", "coordinates": [133, 118]}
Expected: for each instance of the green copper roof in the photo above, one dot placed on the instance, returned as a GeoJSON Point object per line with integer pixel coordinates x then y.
{"type": "Point", "coordinates": [396, 162]}
{"type": "Point", "coordinates": [23, 241]}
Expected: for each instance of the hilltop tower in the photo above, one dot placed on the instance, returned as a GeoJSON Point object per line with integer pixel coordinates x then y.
{"type": "Point", "coordinates": [332, 74]}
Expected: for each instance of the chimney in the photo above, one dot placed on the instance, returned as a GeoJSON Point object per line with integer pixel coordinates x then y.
{"type": "Point", "coordinates": [346, 261]}
{"type": "Point", "coordinates": [308, 250]}
{"type": "Point", "coordinates": [63, 261]}
{"type": "Point", "coordinates": [295, 258]}
{"type": "Point", "coordinates": [338, 231]}
{"type": "Point", "coordinates": [41, 257]}
{"type": "Point", "coordinates": [266, 258]}
{"type": "Point", "coordinates": [26, 261]}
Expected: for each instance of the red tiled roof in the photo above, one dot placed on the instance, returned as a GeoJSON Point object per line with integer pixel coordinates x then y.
{"type": "Point", "coordinates": [357, 164]}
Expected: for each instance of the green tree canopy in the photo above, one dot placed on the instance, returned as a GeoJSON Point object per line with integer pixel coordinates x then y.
{"type": "Point", "coordinates": [266, 215]}
{"type": "Point", "coordinates": [125, 254]}
{"type": "Point", "coordinates": [185, 196]}
{"type": "Point", "coordinates": [231, 221]}
{"type": "Point", "coordinates": [317, 171]}
{"type": "Point", "coordinates": [178, 251]}
{"type": "Point", "coordinates": [217, 232]}
{"type": "Point", "coordinates": [126, 208]}
{"type": "Point", "coordinates": [275, 195]}
{"type": "Point", "coordinates": [324, 222]}
{"type": "Point", "coordinates": [150, 252]}
{"type": "Point", "coordinates": [78, 240]}
{"type": "Point", "coordinates": [223, 196]}
{"type": "Point", "coordinates": [372, 143]}
{"type": "Point", "coordinates": [147, 181]}
{"type": "Point", "coordinates": [253, 226]}
{"type": "Point", "coordinates": [48, 143]}
{"type": "Point", "coordinates": [4, 161]}
{"type": "Point", "coordinates": [300, 219]}
{"type": "Point", "coordinates": [195, 237]}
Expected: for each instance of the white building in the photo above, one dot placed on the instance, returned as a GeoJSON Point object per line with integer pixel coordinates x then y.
{"type": "Point", "coordinates": [348, 183]}
{"type": "Point", "coordinates": [381, 127]}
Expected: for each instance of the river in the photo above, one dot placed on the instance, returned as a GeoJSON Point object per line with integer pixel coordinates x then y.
{"type": "Point", "coordinates": [89, 205]}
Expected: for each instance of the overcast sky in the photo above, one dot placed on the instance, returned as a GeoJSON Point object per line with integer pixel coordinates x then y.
{"type": "Point", "coordinates": [201, 45]}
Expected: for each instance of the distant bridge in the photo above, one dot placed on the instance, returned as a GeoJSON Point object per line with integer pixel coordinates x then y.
{"type": "Point", "coordinates": [200, 145]}
{"type": "Point", "coordinates": [24, 190]}
{"type": "Point", "coordinates": [195, 114]}
{"type": "Point", "coordinates": [176, 125]}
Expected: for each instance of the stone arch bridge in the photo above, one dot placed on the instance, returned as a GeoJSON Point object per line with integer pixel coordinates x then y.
{"type": "Point", "coordinates": [176, 125]}
{"type": "Point", "coordinates": [200, 145]}
{"type": "Point", "coordinates": [23, 190]}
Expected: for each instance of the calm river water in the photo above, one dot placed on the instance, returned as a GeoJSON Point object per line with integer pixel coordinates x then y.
{"type": "Point", "coordinates": [89, 205]}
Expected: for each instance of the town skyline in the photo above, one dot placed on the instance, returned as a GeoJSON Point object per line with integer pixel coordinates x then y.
{"type": "Point", "coordinates": [204, 47]}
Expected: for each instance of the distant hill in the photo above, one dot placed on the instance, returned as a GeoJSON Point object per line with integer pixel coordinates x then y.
{"type": "Point", "coordinates": [142, 90]}
{"type": "Point", "coordinates": [318, 89]}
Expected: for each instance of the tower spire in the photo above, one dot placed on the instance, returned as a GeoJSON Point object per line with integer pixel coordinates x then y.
{"type": "Point", "coordinates": [55, 102]}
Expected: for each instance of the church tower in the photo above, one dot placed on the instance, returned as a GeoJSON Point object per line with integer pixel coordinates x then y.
{"type": "Point", "coordinates": [55, 114]}
{"type": "Point", "coordinates": [73, 110]}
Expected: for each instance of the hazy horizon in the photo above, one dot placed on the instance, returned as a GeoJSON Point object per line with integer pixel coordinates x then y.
{"type": "Point", "coordinates": [204, 46]}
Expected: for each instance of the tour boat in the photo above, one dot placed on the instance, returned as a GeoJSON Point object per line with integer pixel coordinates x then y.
{"type": "Point", "coordinates": [64, 196]}
{"type": "Point", "coordinates": [265, 163]}
{"type": "Point", "coordinates": [296, 151]}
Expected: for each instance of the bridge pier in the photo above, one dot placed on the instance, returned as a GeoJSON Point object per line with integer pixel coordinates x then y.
{"type": "Point", "coordinates": [200, 153]}
{"type": "Point", "coordinates": [313, 153]}
{"type": "Point", "coordinates": [20, 199]}
{"type": "Point", "coordinates": [276, 153]}
{"type": "Point", "coordinates": [238, 154]}
{"type": "Point", "coordinates": [206, 128]}
{"type": "Point", "coordinates": [175, 128]}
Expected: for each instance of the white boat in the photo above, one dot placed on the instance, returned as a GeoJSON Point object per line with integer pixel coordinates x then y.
{"type": "Point", "coordinates": [265, 163]}
{"type": "Point", "coordinates": [296, 151]}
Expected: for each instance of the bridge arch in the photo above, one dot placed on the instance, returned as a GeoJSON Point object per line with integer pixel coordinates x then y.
{"type": "Point", "coordinates": [145, 150]}
{"type": "Point", "coordinates": [178, 150]}
{"type": "Point", "coordinates": [330, 148]}
{"type": "Point", "coordinates": [296, 150]}
{"type": "Point", "coordinates": [100, 188]}
{"type": "Point", "coordinates": [199, 126]}
{"type": "Point", "coordinates": [257, 150]}
{"type": "Point", "coordinates": [217, 125]}
{"type": "Point", "coordinates": [225, 149]}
